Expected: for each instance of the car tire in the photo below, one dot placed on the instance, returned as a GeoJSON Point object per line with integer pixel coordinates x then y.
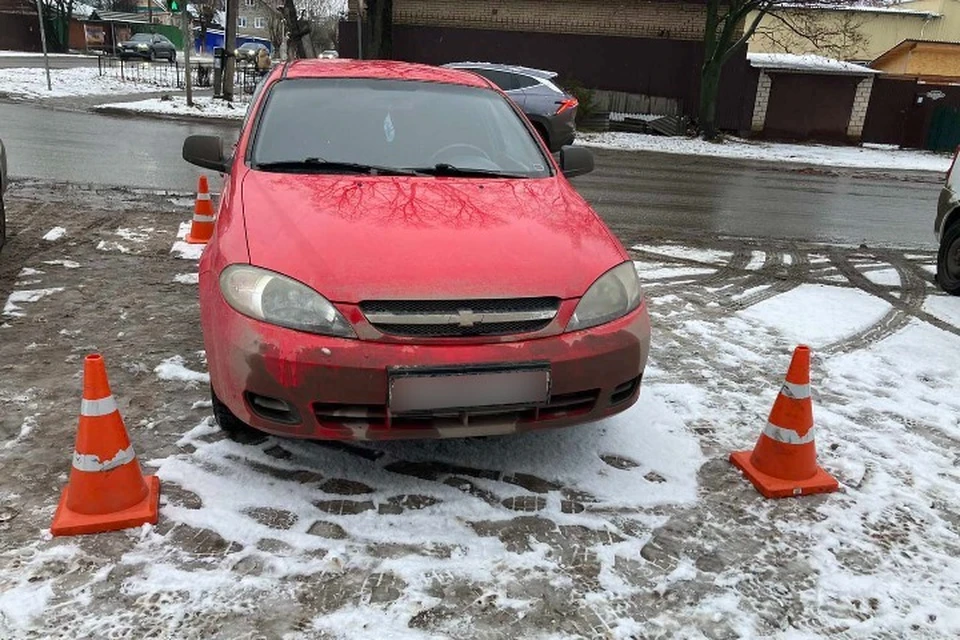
{"type": "Point", "coordinates": [173, 56]}
{"type": "Point", "coordinates": [948, 260]}
{"type": "Point", "coordinates": [153, 55]}
{"type": "Point", "coordinates": [233, 426]}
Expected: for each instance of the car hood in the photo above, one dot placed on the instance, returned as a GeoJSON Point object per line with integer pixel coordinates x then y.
{"type": "Point", "coordinates": [368, 238]}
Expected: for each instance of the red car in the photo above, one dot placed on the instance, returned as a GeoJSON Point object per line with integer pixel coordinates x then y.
{"type": "Point", "coordinates": [398, 256]}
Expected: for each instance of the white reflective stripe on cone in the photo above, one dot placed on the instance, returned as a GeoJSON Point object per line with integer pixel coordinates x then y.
{"type": "Point", "coordinates": [97, 408]}
{"type": "Point", "coordinates": [796, 391]}
{"type": "Point", "coordinates": [787, 436]}
{"type": "Point", "coordinates": [203, 196]}
{"type": "Point", "coordinates": [90, 462]}
{"type": "Point", "coordinates": [199, 218]}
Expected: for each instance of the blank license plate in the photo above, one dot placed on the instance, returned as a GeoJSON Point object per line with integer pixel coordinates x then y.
{"type": "Point", "coordinates": [466, 390]}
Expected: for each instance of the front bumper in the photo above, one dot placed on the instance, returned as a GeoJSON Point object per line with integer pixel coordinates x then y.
{"type": "Point", "coordinates": [337, 389]}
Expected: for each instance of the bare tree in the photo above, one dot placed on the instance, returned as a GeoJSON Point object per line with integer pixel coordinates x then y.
{"type": "Point", "coordinates": [59, 12]}
{"type": "Point", "coordinates": [731, 23]}
{"type": "Point", "coordinates": [838, 34]}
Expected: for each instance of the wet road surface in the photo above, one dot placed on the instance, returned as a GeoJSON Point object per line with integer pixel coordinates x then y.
{"type": "Point", "coordinates": [638, 194]}
{"type": "Point", "coordinates": [98, 149]}
{"type": "Point", "coordinates": [661, 194]}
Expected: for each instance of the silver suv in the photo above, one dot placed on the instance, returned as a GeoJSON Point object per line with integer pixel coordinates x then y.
{"type": "Point", "coordinates": [947, 228]}
{"type": "Point", "coordinates": [552, 110]}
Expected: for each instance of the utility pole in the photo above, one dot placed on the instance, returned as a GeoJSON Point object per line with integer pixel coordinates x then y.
{"type": "Point", "coordinates": [359, 29]}
{"type": "Point", "coordinates": [229, 46]}
{"type": "Point", "coordinates": [187, 46]}
{"type": "Point", "coordinates": [43, 42]}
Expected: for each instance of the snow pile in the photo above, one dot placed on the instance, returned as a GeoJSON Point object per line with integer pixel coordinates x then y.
{"type": "Point", "coordinates": [174, 368]}
{"type": "Point", "coordinates": [806, 62]}
{"type": "Point", "coordinates": [203, 107]}
{"type": "Point", "coordinates": [818, 315]}
{"type": "Point", "coordinates": [55, 234]}
{"type": "Point", "coordinates": [866, 157]}
{"type": "Point", "coordinates": [16, 298]}
{"type": "Point", "coordinates": [80, 81]}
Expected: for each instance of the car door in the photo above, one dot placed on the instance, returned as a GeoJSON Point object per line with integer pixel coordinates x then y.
{"type": "Point", "coordinates": [167, 45]}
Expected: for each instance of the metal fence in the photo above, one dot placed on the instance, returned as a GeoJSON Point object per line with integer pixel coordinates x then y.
{"type": "Point", "coordinates": [171, 75]}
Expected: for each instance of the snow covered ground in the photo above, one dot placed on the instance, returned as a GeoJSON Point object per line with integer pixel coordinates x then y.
{"type": "Point", "coordinates": [633, 527]}
{"type": "Point", "coordinates": [28, 83]}
{"type": "Point", "coordinates": [867, 157]}
{"type": "Point", "coordinates": [204, 107]}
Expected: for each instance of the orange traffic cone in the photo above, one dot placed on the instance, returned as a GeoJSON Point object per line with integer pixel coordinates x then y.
{"type": "Point", "coordinates": [107, 491]}
{"type": "Point", "coordinates": [201, 229]}
{"type": "Point", "coordinates": [784, 461]}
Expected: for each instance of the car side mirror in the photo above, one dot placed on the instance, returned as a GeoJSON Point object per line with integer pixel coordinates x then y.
{"type": "Point", "coordinates": [575, 161]}
{"type": "Point", "coordinates": [206, 152]}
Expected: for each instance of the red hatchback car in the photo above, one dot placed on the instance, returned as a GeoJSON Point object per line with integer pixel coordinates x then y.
{"type": "Point", "coordinates": [398, 256]}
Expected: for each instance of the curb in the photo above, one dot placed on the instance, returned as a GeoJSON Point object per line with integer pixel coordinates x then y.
{"type": "Point", "coordinates": [130, 113]}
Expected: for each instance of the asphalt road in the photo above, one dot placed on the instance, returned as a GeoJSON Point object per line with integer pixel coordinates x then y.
{"type": "Point", "coordinates": [638, 194]}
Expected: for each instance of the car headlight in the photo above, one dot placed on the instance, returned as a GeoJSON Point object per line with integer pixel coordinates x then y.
{"type": "Point", "coordinates": [615, 294]}
{"type": "Point", "coordinates": [282, 301]}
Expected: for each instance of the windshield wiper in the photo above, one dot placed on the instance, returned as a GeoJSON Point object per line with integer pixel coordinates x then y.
{"type": "Point", "coordinates": [319, 165]}
{"type": "Point", "coordinates": [446, 169]}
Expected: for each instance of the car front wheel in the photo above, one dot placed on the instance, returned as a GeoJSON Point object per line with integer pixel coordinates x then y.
{"type": "Point", "coordinates": [948, 260]}
{"type": "Point", "coordinates": [153, 55]}
{"type": "Point", "coordinates": [234, 427]}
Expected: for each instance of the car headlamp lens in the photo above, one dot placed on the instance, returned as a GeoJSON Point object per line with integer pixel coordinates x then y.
{"type": "Point", "coordinates": [615, 294]}
{"type": "Point", "coordinates": [276, 299]}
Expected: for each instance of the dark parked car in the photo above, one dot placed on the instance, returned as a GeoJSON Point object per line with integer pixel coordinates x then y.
{"type": "Point", "coordinates": [3, 189]}
{"type": "Point", "coordinates": [947, 228]}
{"type": "Point", "coordinates": [150, 46]}
{"type": "Point", "coordinates": [248, 52]}
{"type": "Point", "coordinates": [552, 110]}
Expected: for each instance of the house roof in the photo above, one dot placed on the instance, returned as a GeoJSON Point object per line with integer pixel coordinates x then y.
{"type": "Point", "coordinates": [829, 6]}
{"type": "Point", "coordinates": [807, 63]}
{"type": "Point", "coordinates": [119, 16]}
{"type": "Point", "coordinates": [909, 44]}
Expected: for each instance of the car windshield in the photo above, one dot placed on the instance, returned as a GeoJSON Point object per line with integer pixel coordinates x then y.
{"type": "Point", "coordinates": [141, 37]}
{"type": "Point", "coordinates": [249, 45]}
{"type": "Point", "coordinates": [349, 123]}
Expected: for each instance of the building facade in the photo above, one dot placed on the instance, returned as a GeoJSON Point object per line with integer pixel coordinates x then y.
{"type": "Point", "coordinates": [647, 48]}
{"type": "Point", "coordinates": [858, 33]}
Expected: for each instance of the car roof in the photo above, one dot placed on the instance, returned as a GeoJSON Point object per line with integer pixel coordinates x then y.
{"type": "Point", "coordinates": [382, 70]}
{"type": "Point", "coordinates": [530, 71]}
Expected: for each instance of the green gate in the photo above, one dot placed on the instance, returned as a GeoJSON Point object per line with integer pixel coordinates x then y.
{"type": "Point", "coordinates": [944, 131]}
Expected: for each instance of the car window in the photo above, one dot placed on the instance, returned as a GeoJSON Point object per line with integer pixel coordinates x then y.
{"type": "Point", "coordinates": [394, 123]}
{"type": "Point", "coordinates": [165, 40]}
{"type": "Point", "coordinates": [504, 80]}
{"type": "Point", "coordinates": [522, 82]}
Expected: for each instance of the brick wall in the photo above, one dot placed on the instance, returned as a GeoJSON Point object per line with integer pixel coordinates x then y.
{"type": "Point", "coordinates": [675, 20]}
{"type": "Point", "coordinates": [761, 101]}
{"type": "Point", "coordinates": [861, 101]}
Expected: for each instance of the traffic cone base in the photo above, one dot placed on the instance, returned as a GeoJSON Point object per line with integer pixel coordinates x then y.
{"type": "Point", "coordinates": [71, 523]}
{"type": "Point", "coordinates": [770, 487]}
{"type": "Point", "coordinates": [193, 240]}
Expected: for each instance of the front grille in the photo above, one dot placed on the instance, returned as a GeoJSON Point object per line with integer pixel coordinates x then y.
{"type": "Point", "coordinates": [456, 318]}
{"type": "Point", "coordinates": [376, 416]}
